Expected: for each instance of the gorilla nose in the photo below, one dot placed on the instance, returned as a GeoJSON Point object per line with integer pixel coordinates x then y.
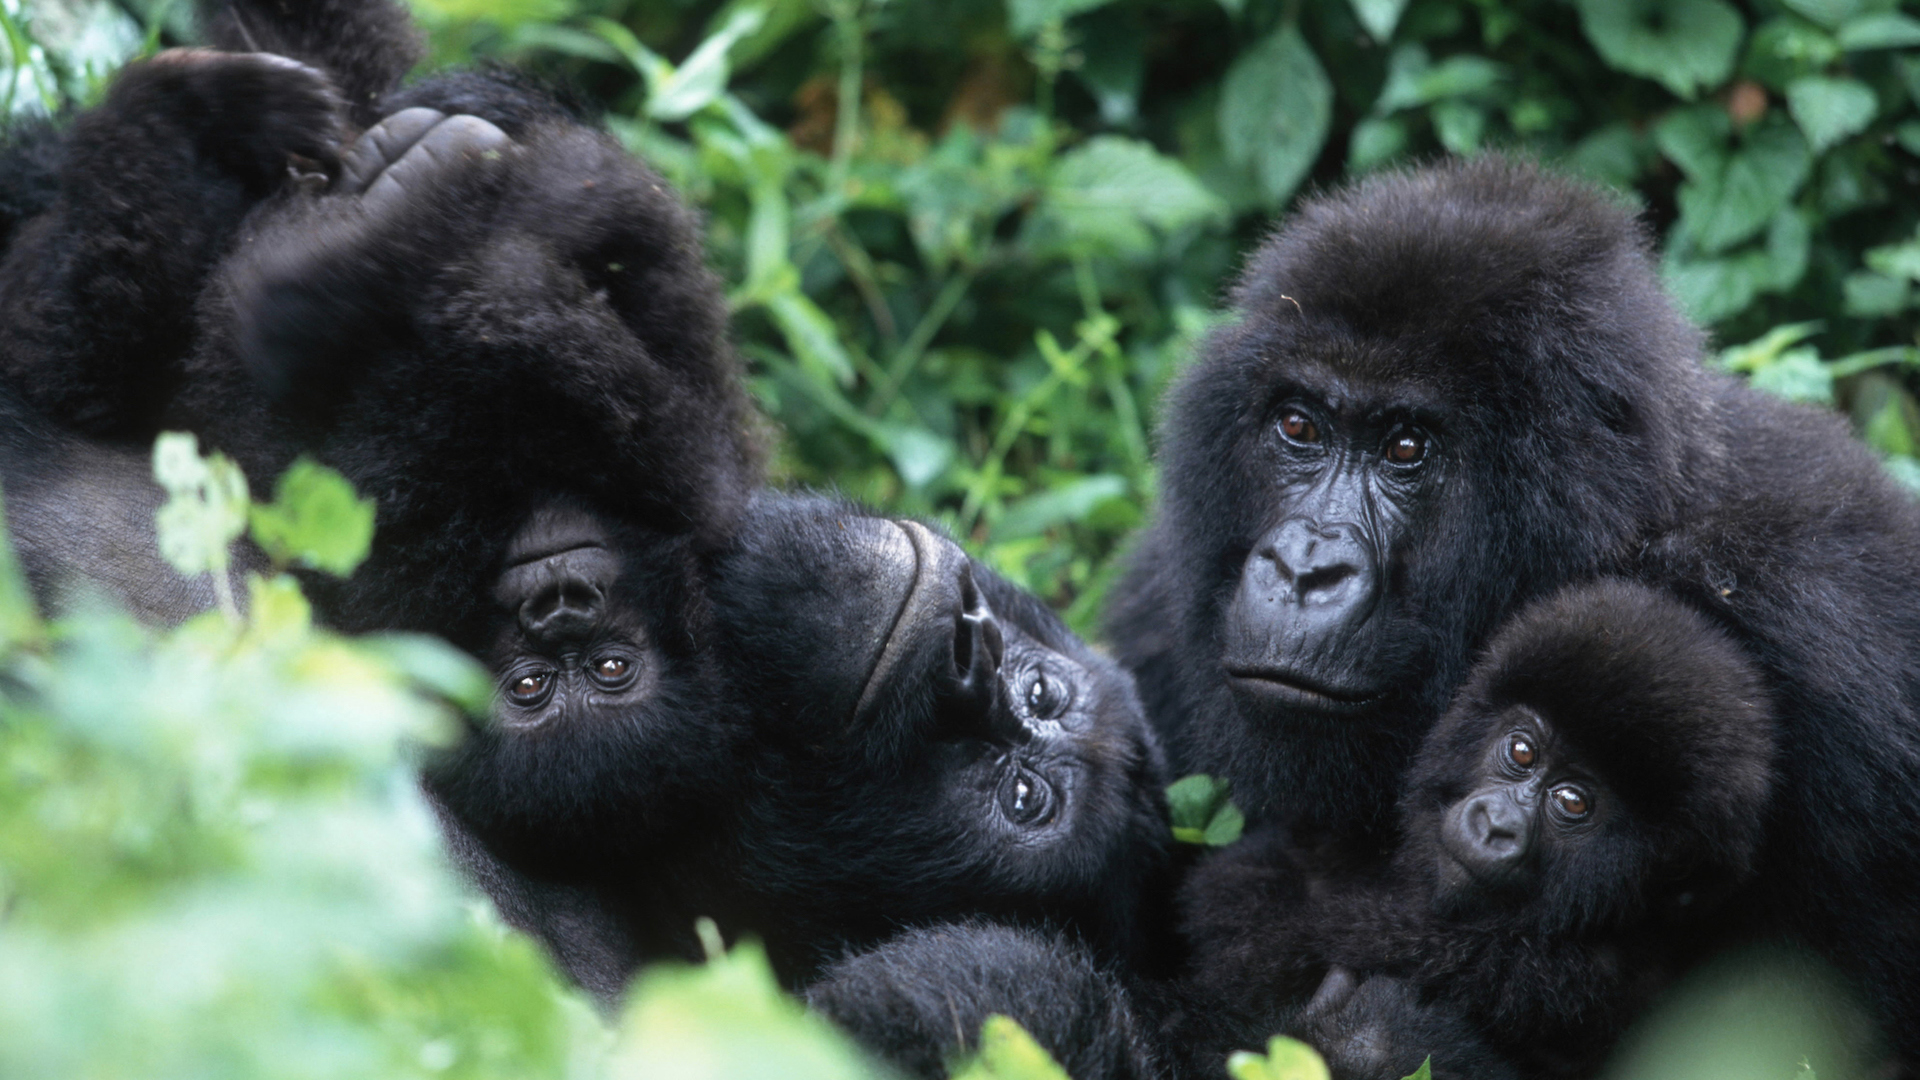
{"type": "Point", "coordinates": [565, 610]}
{"type": "Point", "coordinates": [978, 644]}
{"type": "Point", "coordinates": [1488, 833]}
{"type": "Point", "coordinates": [1318, 566]}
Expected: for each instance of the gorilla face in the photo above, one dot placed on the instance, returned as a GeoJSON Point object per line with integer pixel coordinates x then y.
{"type": "Point", "coordinates": [1316, 625]}
{"type": "Point", "coordinates": [939, 745]}
{"type": "Point", "coordinates": [606, 738]}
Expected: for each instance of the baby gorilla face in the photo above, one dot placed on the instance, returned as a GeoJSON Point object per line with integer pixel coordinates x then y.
{"type": "Point", "coordinates": [939, 745]}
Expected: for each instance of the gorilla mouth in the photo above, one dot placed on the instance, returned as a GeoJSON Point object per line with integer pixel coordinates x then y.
{"type": "Point", "coordinates": [1283, 687]}
{"type": "Point", "coordinates": [927, 599]}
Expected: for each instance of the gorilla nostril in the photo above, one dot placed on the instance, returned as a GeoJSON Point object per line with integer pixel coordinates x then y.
{"type": "Point", "coordinates": [564, 608]}
{"type": "Point", "coordinates": [1324, 580]}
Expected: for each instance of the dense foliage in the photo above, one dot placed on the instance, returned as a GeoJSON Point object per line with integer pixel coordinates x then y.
{"type": "Point", "coordinates": [969, 242]}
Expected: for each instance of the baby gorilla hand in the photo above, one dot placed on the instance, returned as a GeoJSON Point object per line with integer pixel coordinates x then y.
{"type": "Point", "coordinates": [1376, 1028]}
{"type": "Point", "coordinates": [262, 118]}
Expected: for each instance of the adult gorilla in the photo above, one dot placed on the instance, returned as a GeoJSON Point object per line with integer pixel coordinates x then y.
{"type": "Point", "coordinates": [1449, 391]}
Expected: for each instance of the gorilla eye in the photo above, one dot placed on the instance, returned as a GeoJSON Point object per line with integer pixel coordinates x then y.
{"type": "Point", "coordinates": [1406, 446]}
{"type": "Point", "coordinates": [1298, 427]}
{"type": "Point", "coordinates": [531, 688]}
{"type": "Point", "coordinates": [1572, 801]}
{"type": "Point", "coordinates": [1047, 697]}
{"type": "Point", "coordinates": [1520, 750]}
{"type": "Point", "coordinates": [612, 671]}
{"type": "Point", "coordinates": [1026, 799]}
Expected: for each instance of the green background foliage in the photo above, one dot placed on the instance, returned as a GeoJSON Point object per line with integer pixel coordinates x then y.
{"type": "Point", "coordinates": [968, 244]}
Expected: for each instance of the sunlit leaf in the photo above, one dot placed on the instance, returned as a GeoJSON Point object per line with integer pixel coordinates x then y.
{"type": "Point", "coordinates": [1201, 810]}
{"type": "Point", "coordinates": [206, 507]}
{"type": "Point", "coordinates": [315, 520]}
{"type": "Point", "coordinates": [1110, 191]}
{"type": "Point", "coordinates": [1285, 1059]}
{"type": "Point", "coordinates": [1880, 30]}
{"type": "Point", "coordinates": [1007, 1052]}
{"type": "Point", "coordinates": [1379, 16]}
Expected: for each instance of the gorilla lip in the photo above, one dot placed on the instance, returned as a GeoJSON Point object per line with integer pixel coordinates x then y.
{"type": "Point", "coordinates": [1284, 687]}
{"type": "Point", "coordinates": [921, 596]}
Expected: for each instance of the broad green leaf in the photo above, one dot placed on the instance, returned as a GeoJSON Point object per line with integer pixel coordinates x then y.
{"type": "Point", "coordinates": [1909, 136]}
{"type": "Point", "coordinates": [1379, 16]}
{"type": "Point", "coordinates": [315, 520]}
{"type": "Point", "coordinates": [1766, 348]}
{"type": "Point", "coordinates": [1785, 48]}
{"type": "Point", "coordinates": [1069, 502]}
{"type": "Point", "coordinates": [206, 508]}
{"type": "Point", "coordinates": [1829, 110]}
{"type": "Point", "coordinates": [1695, 139]}
{"type": "Point", "coordinates": [1890, 430]}
{"type": "Point", "coordinates": [1789, 244]}
{"type": "Point", "coordinates": [1275, 108]}
{"type": "Point", "coordinates": [277, 611]}
{"type": "Point", "coordinates": [918, 455]}
{"type": "Point", "coordinates": [1024, 17]}
{"type": "Point", "coordinates": [1900, 260]}
{"type": "Point", "coordinates": [1285, 1059]}
{"type": "Point", "coordinates": [1828, 13]}
{"type": "Point", "coordinates": [1685, 45]}
{"type": "Point", "coordinates": [1880, 30]}
{"type": "Point", "coordinates": [1459, 126]}
{"type": "Point", "coordinates": [1875, 296]}
{"type": "Point", "coordinates": [1109, 190]}
{"type": "Point", "coordinates": [1709, 290]}
{"type": "Point", "coordinates": [1905, 472]}
{"type": "Point", "coordinates": [1201, 811]}
{"type": "Point", "coordinates": [1413, 80]}
{"type": "Point", "coordinates": [1798, 375]}
{"type": "Point", "coordinates": [1007, 1052]}
{"type": "Point", "coordinates": [1424, 1072]}
{"type": "Point", "coordinates": [1757, 183]}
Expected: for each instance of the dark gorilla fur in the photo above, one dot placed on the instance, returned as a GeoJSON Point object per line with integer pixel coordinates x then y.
{"type": "Point", "coordinates": [523, 361]}
{"type": "Point", "coordinates": [1560, 425]}
{"type": "Point", "coordinates": [1642, 705]}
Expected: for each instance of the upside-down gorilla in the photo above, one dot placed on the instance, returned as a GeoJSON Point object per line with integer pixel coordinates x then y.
{"type": "Point", "coordinates": [1449, 391]}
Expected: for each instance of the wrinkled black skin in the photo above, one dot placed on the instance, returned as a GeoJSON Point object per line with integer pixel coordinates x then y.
{"type": "Point", "coordinates": [1542, 934]}
{"type": "Point", "coordinates": [1517, 318]}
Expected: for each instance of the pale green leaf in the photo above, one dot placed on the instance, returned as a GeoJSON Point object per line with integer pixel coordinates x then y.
{"type": "Point", "coordinates": [1829, 110]}
{"type": "Point", "coordinates": [315, 520]}
{"type": "Point", "coordinates": [1756, 185]}
{"type": "Point", "coordinates": [1695, 139]}
{"type": "Point", "coordinates": [1375, 142]}
{"type": "Point", "coordinates": [1007, 1052]}
{"type": "Point", "coordinates": [1459, 126]}
{"type": "Point", "coordinates": [1285, 1059]}
{"type": "Point", "coordinates": [206, 508]}
{"type": "Point", "coordinates": [1876, 296]}
{"type": "Point", "coordinates": [1685, 45]}
{"type": "Point", "coordinates": [1828, 13]}
{"type": "Point", "coordinates": [1797, 375]}
{"type": "Point", "coordinates": [1068, 502]}
{"type": "Point", "coordinates": [1424, 1072]}
{"type": "Point", "coordinates": [1880, 30]}
{"type": "Point", "coordinates": [1024, 17]}
{"type": "Point", "coordinates": [1201, 811]}
{"type": "Point", "coordinates": [702, 77]}
{"type": "Point", "coordinates": [811, 335]}
{"type": "Point", "coordinates": [1379, 16]}
{"type": "Point", "coordinates": [1110, 190]}
{"type": "Point", "coordinates": [1901, 260]}
{"type": "Point", "coordinates": [1275, 108]}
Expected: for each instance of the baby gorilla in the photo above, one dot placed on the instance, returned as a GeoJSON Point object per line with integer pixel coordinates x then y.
{"type": "Point", "coordinates": [1597, 787]}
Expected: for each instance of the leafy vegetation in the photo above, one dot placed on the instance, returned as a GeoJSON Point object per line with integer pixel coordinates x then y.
{"type": "Point", "coordinates": [969, 243]}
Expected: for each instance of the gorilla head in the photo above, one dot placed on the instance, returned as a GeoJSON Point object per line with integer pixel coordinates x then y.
{"type": "Point", "coordinates": [930, 742]}
{"type": "Point", "coordinates": [1446, 390]}
{"type": "Point", "coordinates": [1610, 756]}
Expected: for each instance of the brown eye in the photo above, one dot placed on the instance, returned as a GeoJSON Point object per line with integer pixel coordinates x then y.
{"type": "Point", "coordinates": [529, 689]}
{"type": "Point", "coordinates": [1295, 425]}
{"type": "Point", "coordinates": [1520, 751]}
{"type": "Point", "coordinates": [612, 670]}
{"type": "Point", "coordinates": [1571, 801]}
{"type": "Point", "coordinates": [1406, 447]}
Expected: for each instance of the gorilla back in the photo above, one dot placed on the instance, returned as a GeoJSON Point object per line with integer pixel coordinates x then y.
{"type": "Point", "coordinates": [1449, 391]}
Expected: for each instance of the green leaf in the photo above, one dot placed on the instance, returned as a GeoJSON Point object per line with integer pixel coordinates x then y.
{"type": "Point", "coordinates": [1459, 126]}
{"type": "Point", "coordinates": [1007, 1052]}
{"type": "Point", "coordinates": [918, 455]}
{"type": "Point", "coordinates": [1379, 16]}
{"type": "Point", "coordinates": [1905, 472]}
{"type": "Point", "coordinates": [1888, 431]}
{"type": "Point", "coordinates": [436, 667]}
{"type": "Point", "coordinates": [1025, 17]}
{"type": "Point", "coordinates": [1880, 30]}
{"type": "Point", "coordinates": [1828, 13]}
{"type": "Point", "coordinates": [1613, 155]}
{"type": "Point", "coordinates": [315, 520]}
{"type": "Point", "coordinates": [1829, 110]}
{"type": "Point", "coordinates": [1909, 135]}
{"type": "Point", "coordinates": [1375, 142]}
{"type": "Point", "coordinates": [1202, 811]}
{"type": "Point", "coordinates": [1275, 108]}
{"type": "Point", "coordinates": [1695, 139]}
{"type": "Point", "coordinates": [1900, 260]}
{"type": "Point", "coordinates": [1875, 296]}
{"type": "Point", "coordinates": [1767, 348]}
{"type": "Point", "coordinates": [702, 77]}
{"type": "Point", "coordinates": [1412, 80]}
{"type": "Point", "coordinates": [1756, 185]}
{"type": "Point", "coordinates": [206, 508]}
{"type": "Point", "coordinates": [811, 335]}
{"type": "Point", "coordinates": [1785, 48]}
{"type": "Point", "coordinates": [1069, 502]}
{"type": "Point", "coordinates": [1108, 191]}
{"type": "Point", "coordinates": [1685, 45]}
{"type": "Point", "coordinates": [1424, 1072]}
{"type": "Point", "coordinates": [1798, 375]}
{"type": "Point", "coordinates": [1285, 1059]}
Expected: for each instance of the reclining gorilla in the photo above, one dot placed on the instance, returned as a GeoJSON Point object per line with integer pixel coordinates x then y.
{"type": "Point", "coordinates": [513, 348]}
{"type": "Point", "coordinates": [1595, 791]}
{"type": "Point", "coordinates": [1450, 391]}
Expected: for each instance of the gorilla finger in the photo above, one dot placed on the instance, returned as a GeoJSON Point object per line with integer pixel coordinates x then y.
{"type": "Point", "coordinates": [451, 143]}
{"type": "Point", "coordinates": [382, 144]}
{"type": "Point", "coordinates": [1334, 993]}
